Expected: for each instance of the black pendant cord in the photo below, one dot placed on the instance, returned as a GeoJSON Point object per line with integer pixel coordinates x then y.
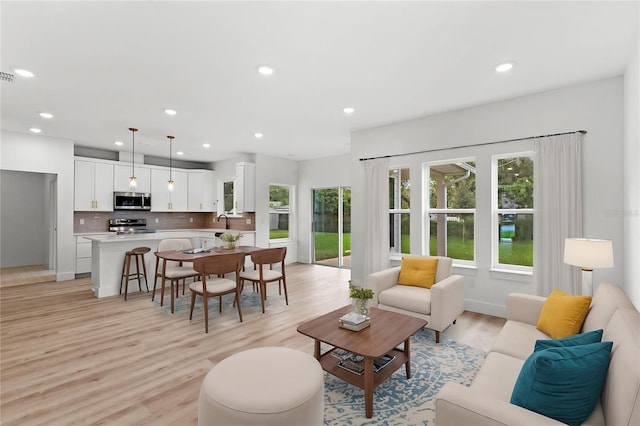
{"type": "Point", "coordinates": [584, 132]}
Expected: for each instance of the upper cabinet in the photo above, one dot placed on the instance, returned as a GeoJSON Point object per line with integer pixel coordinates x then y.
{"type": "Point", "coordinates": [162, 200]}
{"type": "Point", "coordinates": [201, 196]}
{"type": "Point", "coordinates": [245, 187]}
{"type": "Point", "coordinates": [96, 181]}
{"type": "Point", "coordinates": [93, 186]}
{"type": "Point", "coordinates": [122, 173]}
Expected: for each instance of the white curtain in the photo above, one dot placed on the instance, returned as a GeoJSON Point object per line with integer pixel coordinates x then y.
{"type": "Point", "coordinates": [558, 211]}
{"type": "Point", "coordinates": [376, 255]}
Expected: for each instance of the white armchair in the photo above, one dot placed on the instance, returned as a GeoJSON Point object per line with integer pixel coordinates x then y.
{"type": "Point", "coordinates": [439, 306]}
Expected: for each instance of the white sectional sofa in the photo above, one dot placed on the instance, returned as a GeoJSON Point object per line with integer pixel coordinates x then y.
{"type": "Point", "coordinates": [487, 400]}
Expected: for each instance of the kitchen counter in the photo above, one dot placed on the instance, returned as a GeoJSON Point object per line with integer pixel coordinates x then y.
{"type": "Point", "coordinates": [162, 233]}
{"type": "Point", "coordinates": [108, 254]}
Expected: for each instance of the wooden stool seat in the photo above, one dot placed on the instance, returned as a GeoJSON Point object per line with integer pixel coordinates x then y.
{"type": "Point", "coordinates": [137, 253]}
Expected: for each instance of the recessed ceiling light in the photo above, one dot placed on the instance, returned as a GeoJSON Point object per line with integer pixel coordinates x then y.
{"type": "Point", "coordinates": [206, 145]}
{"type": "Point", "coordinates": [46, 115]}
{"type": "Point", "coordinates": [265, 70]}
{"type": "Point", "coordinates": [170, 111]}
{"type": "Point", "coordinates": [349, 110]}
{"type": "Point", "coordinates": [35, 130]}
{"type": "Point", "coordinates": [180, 153]}
{"type": "Point", "coordinates": [504, 67]}
{"type": "Point", "coordinates": [119, 143]}
{"type": "Point", "coordinates": [23, 73]}
{"type": "Point", "coordinates": [258, 135]}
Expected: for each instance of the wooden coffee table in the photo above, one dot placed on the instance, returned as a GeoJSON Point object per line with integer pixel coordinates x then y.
{"type": "Point", "coordinates": [387, 331]}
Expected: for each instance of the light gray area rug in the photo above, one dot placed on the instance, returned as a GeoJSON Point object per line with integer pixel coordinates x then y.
{"type": "Point", "coordinates": [399, 401]}
{"type": "Point", "coordinates": [250, 301]}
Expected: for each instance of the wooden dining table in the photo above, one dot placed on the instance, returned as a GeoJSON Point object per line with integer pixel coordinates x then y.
{"type": "Point", "coordinates": [185, 256]}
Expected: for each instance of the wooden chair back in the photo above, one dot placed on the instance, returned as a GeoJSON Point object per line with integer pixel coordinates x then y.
{"type": "Point", "coordinates": [269, 256]}
{"type": "Point", "coordinates": [219, 264]}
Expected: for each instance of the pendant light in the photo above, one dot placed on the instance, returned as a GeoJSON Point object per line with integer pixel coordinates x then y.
{"type": "Point", "coordinates": [170, 182]}
{"type": "Point", "coordinates": [133, 184]}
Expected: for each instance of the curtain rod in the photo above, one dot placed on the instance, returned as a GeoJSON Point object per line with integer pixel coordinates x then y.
{"type": "Point", "coordinates": [584, 132]}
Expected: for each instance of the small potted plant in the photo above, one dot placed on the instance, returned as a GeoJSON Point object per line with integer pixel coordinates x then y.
{"type": "Point", "coordinates": [230, 239]}
{"type": "Point", "coordinates": [360, 297]}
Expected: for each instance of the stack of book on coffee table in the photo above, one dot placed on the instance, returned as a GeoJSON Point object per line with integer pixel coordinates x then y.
{"type": "Point", "coordinates": [354, 363]}
{"type": "Point", "coordinates": [354, 321]}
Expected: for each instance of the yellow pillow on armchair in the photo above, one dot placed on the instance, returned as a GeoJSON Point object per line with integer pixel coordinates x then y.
{"type": "Point", "coordinates": [562, 314]}
{"type": "Point", "coordinates": [418, 271]}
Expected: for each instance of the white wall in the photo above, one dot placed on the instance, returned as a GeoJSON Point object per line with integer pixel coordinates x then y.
{"type": "Point", "coordinates": [631, 187]}
{"type": "Point", "coordinates": [23, 229]}
{"type": "Point", "coordinates": [40, 154]}
{"type": "Point", "coordinates": [315, 174]}
{"type": "Point", "coordinates": [596, 107]}
{"type": "Point", "coordinates": [273, 170]}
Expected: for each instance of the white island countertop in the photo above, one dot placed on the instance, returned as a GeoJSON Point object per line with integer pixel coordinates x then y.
{"type": "Point", "coordinates": [162, 234]}
{"type": "Point", "coordinates": [108, 252]}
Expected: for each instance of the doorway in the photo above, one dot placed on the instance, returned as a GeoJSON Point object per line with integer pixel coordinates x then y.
{"type": "Point", "coordinates": [332, 226]}
{"type": "Point", "coordinates": [28, 207]}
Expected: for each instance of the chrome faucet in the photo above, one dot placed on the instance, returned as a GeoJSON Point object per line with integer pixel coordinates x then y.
{"type": "Point", "coordinates": [226, 220]}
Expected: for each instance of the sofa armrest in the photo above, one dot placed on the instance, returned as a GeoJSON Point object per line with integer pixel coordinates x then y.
{"type": "Point", "coordinates": [460, 405]}
{"type": "Point", "coordinates": [447, 302]}
{"type": "Point", "coordinates": [524, 307]}
{"type": "Point", "coordinates": [382, 280]}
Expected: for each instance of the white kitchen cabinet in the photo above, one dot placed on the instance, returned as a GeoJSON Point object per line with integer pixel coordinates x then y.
{"type": "Point", "coordinates": [83, 255]}
{"type": "Point", "coordinates": [245, 187]}
{"type": "Point", "coordinates": [161, 199]}
{"type": "Point", "coordinates": [201, 194]}
{"type": "Point", "coordinates": [93, 186]}
{"type": "Point", "coordinates": [122, 173]}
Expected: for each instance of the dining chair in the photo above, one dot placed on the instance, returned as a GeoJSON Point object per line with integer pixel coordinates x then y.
{"type": "Point", "coordinates": [172, 270]}
{"type": "Point", "coordinates": [263, 273]}
{"type": "Point", "coordinates": [217, 266]}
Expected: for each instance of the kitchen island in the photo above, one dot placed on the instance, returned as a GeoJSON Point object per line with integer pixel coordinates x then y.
{"type": "Point", "coordinates": [107, 254]}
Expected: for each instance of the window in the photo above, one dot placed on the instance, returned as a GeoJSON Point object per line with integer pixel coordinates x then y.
{"type": "Point", "coordinates": [513, 211]}
{"type": "Point", "coordinates": [228, 196]}
{"type": "Point", "coordinates": [280, 202]}
{"type": "Point", "coordinates": [399, 211]}
{"type": "Point", "coordinates": [452, 210]}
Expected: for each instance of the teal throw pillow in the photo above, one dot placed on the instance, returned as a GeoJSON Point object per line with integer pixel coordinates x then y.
{"type": "Point", "coordinates": [594, 336]}
{"type": "Point", "coordinates": [563, 383]}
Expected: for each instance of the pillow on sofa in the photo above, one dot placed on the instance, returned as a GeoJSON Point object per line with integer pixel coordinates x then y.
{"type": "Point", "coordinates": [418, 271]}
{"type": "Point", "coordinates": [562, 314]}
{"type": "Point", "coordinates": [594, 336]}
{"type": "Point", "coordinates": [563, 383]}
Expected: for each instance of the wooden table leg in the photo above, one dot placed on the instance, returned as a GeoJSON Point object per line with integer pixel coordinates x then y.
{"type": "Point", "coordinates": [407, 352]}
{"type": "Point", "coordinates": [368, 386]}
{"type": "Point", "coordinates": [316, 350]}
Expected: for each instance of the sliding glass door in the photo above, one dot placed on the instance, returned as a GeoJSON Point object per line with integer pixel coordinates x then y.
{"type": "Point", "coordinates": [332, 226]}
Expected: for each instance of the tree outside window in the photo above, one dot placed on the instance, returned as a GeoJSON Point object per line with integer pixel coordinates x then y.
{"type": "Point", "coordinates": [513, 211]}
{"type": "Point", "coordinates": [451, 211]}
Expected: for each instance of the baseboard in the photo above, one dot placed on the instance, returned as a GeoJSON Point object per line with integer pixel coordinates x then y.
{"type": "Point", "coordinates": [485, 308]}
{"type": "Point", "coordinates": [65, 276]}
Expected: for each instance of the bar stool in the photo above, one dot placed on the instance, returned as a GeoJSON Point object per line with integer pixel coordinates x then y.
{"type": "Point", "coordinates": [137, 252]}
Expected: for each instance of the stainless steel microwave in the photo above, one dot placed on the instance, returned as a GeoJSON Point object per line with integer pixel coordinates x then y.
{"type": "Point", "coordinates": [131, 201]}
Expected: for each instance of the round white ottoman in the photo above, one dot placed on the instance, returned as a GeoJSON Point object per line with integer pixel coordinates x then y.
{"type": "Point", "coordinates": [263, 386]}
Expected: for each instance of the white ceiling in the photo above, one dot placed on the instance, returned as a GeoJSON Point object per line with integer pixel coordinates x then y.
{"type": "Point", "coordinates": [102, 67]}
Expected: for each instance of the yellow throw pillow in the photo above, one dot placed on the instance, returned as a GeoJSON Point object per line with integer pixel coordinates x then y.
{"type": "Point", "coordinates": [562, 314]}
{"type": "Point", "coordinates": [418, 271]}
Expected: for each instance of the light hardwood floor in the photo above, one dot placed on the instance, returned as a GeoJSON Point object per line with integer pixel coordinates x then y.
{"type": "Point", "coordinates": [25, 275]}
{"type": "Point", "coordinates": [68, 358]}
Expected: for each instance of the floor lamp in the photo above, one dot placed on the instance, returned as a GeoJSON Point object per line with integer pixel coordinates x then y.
{"type": "Point", "coordinates": [588, 254]}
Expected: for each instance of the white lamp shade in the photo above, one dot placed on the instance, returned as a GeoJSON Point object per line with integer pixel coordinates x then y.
{"type": "Point", "coordinates": [587, 253]}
